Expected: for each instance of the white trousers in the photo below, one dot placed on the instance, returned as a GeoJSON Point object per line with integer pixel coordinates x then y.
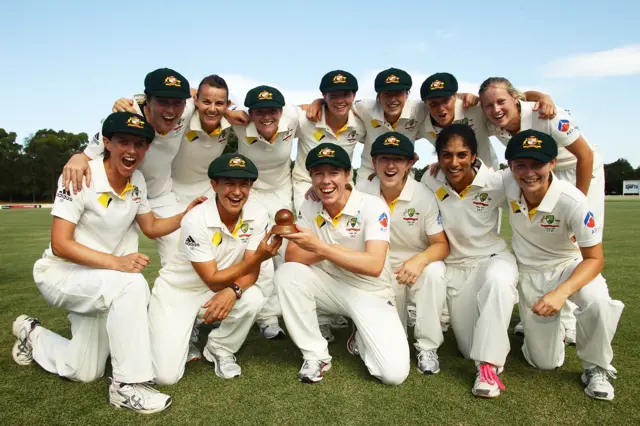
{"type": "Point", "coordinates": [108, 314]}
{"type": "Point", "coordinates": [381, 341]}
{"type": "Point", "coordinates": [172, 312]}
{"type": "Point", "coordinates": [429, 294]}
{"type": "Point", "coordinates": [481, 300]}
{"type": "Point", "coordinates": [597, 319]}
{"type": "Point", "coordinates": [273, 201]}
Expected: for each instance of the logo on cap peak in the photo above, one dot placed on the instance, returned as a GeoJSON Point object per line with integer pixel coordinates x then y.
{"type": "Point", "coordinates": [436, 84]}
{"type": "Point", "coordinates": [339, 79]}
{"type": "Point", "coordinates": [392, 79]}
{"type": "Point", "coordinates": [236, 162]}
{"type": "Point", "coordinates": [326, 152]}
{"type": "Point", "coordinates": [392, 140]}
{"type": "Point", "coordinates": [135, 122]}
{"type": "Point", "coordinates": [265, 95]}
{"type": "Point", "coordinates": [172, 81]}
{"type": "Point", "coordinates": [532, 142]}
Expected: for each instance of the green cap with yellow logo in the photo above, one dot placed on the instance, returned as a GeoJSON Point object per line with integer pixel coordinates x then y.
{"type": "Point", "coordinates": [391, 80]}
{"type": "Point", "coordinates": [166, 83]}
{"type": "Point", "coordinates": [532, 144]}
{"type": "Point", "coordinates": [393, 143]}
{"type": "Point", "coordinates": [264, 97]}
{"type": "Point", "coordinates": [129, 123]}
{"type": "Point", "coordinates": [338, 80]}
{"type": "Point", "coordinates": [328, 153]}
{"type": "Point", "coordinates": [234, 166]}
{"type": "Point", "coordinates": [439, 85]}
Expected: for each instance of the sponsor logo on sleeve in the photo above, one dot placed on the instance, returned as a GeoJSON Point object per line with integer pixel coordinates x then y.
{"type": "Point", "coordinates": [64, 194]}
{"type": "Point", "coordinates": [191, 243]}
{"type": "Point", "coordinates": [384, 220]}
{"type": "Point", "coordinates": [563, 125]}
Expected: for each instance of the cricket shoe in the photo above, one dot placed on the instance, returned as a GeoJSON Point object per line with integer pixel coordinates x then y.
{"type": "Point", "coordinates": [518, 330]}
{"type": "Point", "coordinates": [272, 331]}
{"type": "Point", "coordinates": [487, 384]}
{"type": "Point", "coordinates": [352, 342]}
{"type": "Point", "coordinates": [194, 354]}
{"type": "Point", "coordinates": [411, 316]}
{"type": "Point", "coordinates": [138, 397]}
{"type": "Point", "coordinates": [570, 336]}
{"type": "Point", "coordinates": [312, 370]}
{"type": "Point", "coordinates": [445, 326]}
{"type": "Point", "coordinates": [325, 330]}
{"type": "Point", "coordinates": [22, 351]}
{"type": "Point", "coordinates": [338, 321]}
{"type": "Point", "coordinates": [428, 362]}
{"type": "Point", "coordinates": [225, 366]}
{"type": "Point", "coordinates": [597, 383]}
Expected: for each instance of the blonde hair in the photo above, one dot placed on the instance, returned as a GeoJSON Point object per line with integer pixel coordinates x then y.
{"type": "Point", "coordinates": [494, 81]}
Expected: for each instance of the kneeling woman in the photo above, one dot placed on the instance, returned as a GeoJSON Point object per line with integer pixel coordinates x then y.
{"type": "Point", "coordinates": [105, 293]}
{"type": "Point", "coordinates": [418, 242]}
{"type": "Point", "coordinates": [481, 272]}
{"type": "Point", "coordinates": [557, 241]}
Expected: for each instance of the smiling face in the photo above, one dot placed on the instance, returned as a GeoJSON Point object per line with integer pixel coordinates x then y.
{"type": "Point", "coordinates": [339, 102]}
{"type": "Point", "coordinates": [329, 183]}
{"type": "Point", "coordinates": [231, 195]}
{"type": "Point", "coordinates": [533, 176]}
{"type": "Point", "coordinates": [442, 110]}
{"type": "Point", "coordinates": [126, 152]}
{"type": "Point", "coordinates": [266, 120]}
{"type": "Point", "coordinates": [393, 102]}
{"type": "Point", "coordinates": [212, 104]}
{"type": "Point", "coordinates": [392, 170]}
{"type": "Point", "coordinates": [500, 108]}
{"type": "Point", "coordinates": [164, 113]}
{"type": "Point", "coordinates": [456, 162]}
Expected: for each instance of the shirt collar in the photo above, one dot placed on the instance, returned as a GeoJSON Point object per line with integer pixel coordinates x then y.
{"type": "Point", "coordinates": [549, 201]}
{"type": "Point", "coordinates": [196, 125]}
{"type": "Point", "coordinates": [526, 115]}
{"type": "Point", "coordinates": [378, 112]}
{"type": "Point", "coordinates": [322, 123]}
{"type": "Point", "coordinates": [407, 191]}
{"type": "Point", "coordinates": [100, 181]}
{"type": "Point", "coordinates": [482, 174]}
{"type": "Point", "coordinates": [212, 216]}
{"type": "Point", "coordinates": [252, 131]}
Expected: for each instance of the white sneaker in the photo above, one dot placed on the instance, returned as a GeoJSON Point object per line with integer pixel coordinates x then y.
{"type": "Point", "coordinates": [487, 384]}
{"type": "Point", "coordinates": [311, 371]}
{"type": "Point", "coordinates": [194, 354]}
{"type": "Point", "coordinates": [411, 316]}
{"type": "Point", "coordinates": [352, 343]}
{"type": "Point", "coordinates": [272, 331]}
{"type": "Point", "coordinates": [338, 321]}
{"type": "Point", "coordinates": [428, 362]}
{"type": "Point", "coordinates": [137, 397]}
{"type": "Point", "coordinates": [22, 351]}
{"type": "Point", "coordinates": [518, 330]}
{"type": "Point", "coordinates": [444, 326]}
{"type": "Point", "coordinates": [570, 336]}
{"type": "Point", "coordinates": [597, 383]}
{"type": "Point", "coordinates": [325, 330]}
{"type": "Point", "coordinates": [225, 366]}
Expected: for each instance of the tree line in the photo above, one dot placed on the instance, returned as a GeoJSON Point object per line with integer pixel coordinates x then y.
{"type": "Point", "coordinates": [30, 171]}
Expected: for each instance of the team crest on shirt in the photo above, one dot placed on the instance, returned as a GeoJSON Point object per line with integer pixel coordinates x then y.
{"type": "Point", "coordinates": [245, 232]}
{"type": "Point", "coordinates": [392, 79]}
{"type": "Point", "coordinates": [549, 222]}
{"type": "Point", "coordinates": [410, 125]}
{"type": "Point", "coordinates": [287, 135]}
{"type": "Point", "coordinates": [481, 201]}
{"type": "Point", "coordinates": [172, 81]}
{"type": "Point", "coordinates": [410, 216]}
{"type": "Point", "coordinates": [353, 227]}
{"type": "Point", "coordinates": [237, 162]}
{"type": "Point", "coordinates": [532, 142]}
{"type": "Point", "coordinates": [223, 136]}
{"type": "Point", "coordinates": [135, 194]}
{"type": "Point", "coordinates": [135, 122]}
{"type": "Point", "coordinates": [352, 136]}
{"type": "Point", "coordinates": [462, 121]}
{"type": "Point", "coordinates": [436, 85]}
{"type": "Point", "coordinates": [339, 79]}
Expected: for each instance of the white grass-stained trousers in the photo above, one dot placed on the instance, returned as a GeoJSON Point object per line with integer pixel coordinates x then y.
{"type": "Point", "coordinates": [381, 339]}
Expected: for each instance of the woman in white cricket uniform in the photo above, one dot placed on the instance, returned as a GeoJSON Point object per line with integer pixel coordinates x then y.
{"type": "Point", "coordinates": [481, 271]}
{"type": "Point", "coordinates": [418, 242]}
{"type": "Point", "coordinates": [578, 163]}
{"type": "Point", "coordinates": [558, 244]}
{"type": "Point", "coordinates": [105, 294]}
{"type": "Point", "coordinates": [337, 262]}
{"type": "Point", "coordinates": [267, 141]}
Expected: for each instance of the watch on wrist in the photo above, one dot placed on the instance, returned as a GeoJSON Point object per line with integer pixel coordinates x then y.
{"type": "Point", "coordinates": [236, 288]}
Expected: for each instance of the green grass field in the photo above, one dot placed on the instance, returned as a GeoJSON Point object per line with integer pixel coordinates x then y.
{"type": "Point", "coordinates": [269, 393]}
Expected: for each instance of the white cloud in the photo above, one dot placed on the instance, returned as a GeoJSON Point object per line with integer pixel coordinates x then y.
{"type": "Point", "coordinates": [615, 62]}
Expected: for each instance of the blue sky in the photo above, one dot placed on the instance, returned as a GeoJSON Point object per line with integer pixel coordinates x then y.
{"type": "Point", "coordinates": [65, 62]}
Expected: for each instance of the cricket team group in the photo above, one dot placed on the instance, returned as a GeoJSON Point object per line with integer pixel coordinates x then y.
{"type": "Point", "coordinates": [381, 249]}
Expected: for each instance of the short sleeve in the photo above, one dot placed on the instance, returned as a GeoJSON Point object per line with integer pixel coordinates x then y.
{"type": "Point", "coordinates": [584, 226]}
{"type": "Point", "coordinates": [431, 218]}
{"type": "Point", "coordinates": [303, 218]}
{"type": "Point", "coordinates": [376, 220]}
{"type": "Point", "coordinates": [68, 206]}
{"type": "Point", "coordinates": [259, 231]}
{"type": "Point", "coordinates": [563, 129]}
{"type": "Point", "coordinates": [141, 193]}
{"type": "Point", "coordinates": [194, 237]}
{"type": "Point", "coordinates": [363, 108]}
{"type": "Point", "coordinates": [95, 147]}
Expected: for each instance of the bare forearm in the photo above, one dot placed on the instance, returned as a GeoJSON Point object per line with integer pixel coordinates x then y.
{"type": "Point", "coordinates": [354, 261]}
{"type": "Point", "coordinates": [83, 255]}
{"type": "Point", "coordinates": [223, 278]}
{"type": "Point", "coordinates": [584, 273]}
{"type": "Point", "coordinates": [299, 255]}
{"type": "Point", "coordinates": [434, 253]}
{"type": "Point", "coordinates": [534, 96]}
{"type": "Point", "coordinates": [163, 226]}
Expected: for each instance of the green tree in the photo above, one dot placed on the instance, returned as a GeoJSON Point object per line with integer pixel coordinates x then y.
{"type": "Point", "coordinates": [615, 173]}
{"type": "Point", "coordinates": [232, 144]}
{"type": "Point", "coordinates": [10, 159]}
